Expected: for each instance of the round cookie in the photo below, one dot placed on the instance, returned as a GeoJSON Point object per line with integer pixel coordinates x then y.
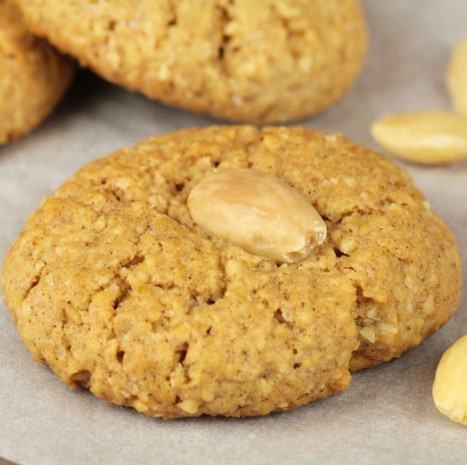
{"type": "Point", "coordinates": [33, 76]}
{"type": "Point", "coordinates": [245, 61]}
{"type": "Point", "coordinates": [114, 286]}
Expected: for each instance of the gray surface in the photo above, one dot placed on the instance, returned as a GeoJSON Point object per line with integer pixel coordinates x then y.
{"type": "Point", "coordinates": [387, 417]}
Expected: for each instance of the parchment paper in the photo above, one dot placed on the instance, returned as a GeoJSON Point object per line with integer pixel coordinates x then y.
{"type": "Point", "coordinates": [387, 417]}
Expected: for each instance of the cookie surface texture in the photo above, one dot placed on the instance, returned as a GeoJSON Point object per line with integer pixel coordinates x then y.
{"type": "Point", "coordinates": [33, 76]}
{"type": "Point", "coordinates": [114, 286]}
{"type": "Point", "coordinates": [242, 60]}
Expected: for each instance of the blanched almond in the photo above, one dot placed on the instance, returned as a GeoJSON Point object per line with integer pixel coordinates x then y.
{"type": "Point", "coordinates": [258, 212]}
{"type": "Point", "coordinates": [450, 386]}
{"type": "Point", "coordinates": [457, 77]}
{"type": "Point", "coordinates": [425, 137]}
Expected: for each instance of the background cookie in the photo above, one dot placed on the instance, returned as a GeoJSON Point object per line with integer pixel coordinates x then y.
{"type": "Point", "coordinates": [33, 76]}
{"type": "Point", "coordinates": [115, 288]}
{"type": "Point", "coordinates": [246, 61]}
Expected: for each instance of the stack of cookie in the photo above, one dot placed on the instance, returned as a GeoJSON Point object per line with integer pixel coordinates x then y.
{"type": "Point", "coordinates": [228, 270]}
{"type": "Point", "coordinates": [242, 61]}
{"type": "Point", "coordinates": [33, 76]}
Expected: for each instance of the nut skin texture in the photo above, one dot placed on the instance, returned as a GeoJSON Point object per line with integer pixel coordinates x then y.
{"type": "Point", "coordinates": [456, 78]}
{"type": "Point", "coordinates": [33, 76]}
{"type": "Point", "coordinates": [425, 137]}
{"type": "Point", "coordinates": [115, 287]}
{"type": "Point", "coordinates": [249, 61]}
{"type": "Point", "coordinates": [450, 386]}
{"type": "Point", "coordinates": [258, 212]}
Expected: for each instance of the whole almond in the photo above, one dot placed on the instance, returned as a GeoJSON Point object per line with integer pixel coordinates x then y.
{"type": "Point", "coordinates": [450, 385]}
{"type": "Point", "coordinates": [257, 212]}
{"type": "Point", "coordinates": [425, 137]}
{"type": "Point", "coordinates": [457, 77]}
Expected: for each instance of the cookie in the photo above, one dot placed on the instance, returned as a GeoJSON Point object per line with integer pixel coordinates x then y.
{"type": "Point", "coordinates": [115, 287]}
{"type": "Point", "coordinates": [244, 61]}
{"type": "Point", "coordinates": [33, 76]}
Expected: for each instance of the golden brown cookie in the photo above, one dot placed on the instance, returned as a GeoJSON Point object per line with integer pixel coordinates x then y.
{"type": "Point", "coordinates": [254, 61]}
{"type": "Point", "coordinates": [33, 76]}
{"type": "Point", "coordinates": [115, 287]}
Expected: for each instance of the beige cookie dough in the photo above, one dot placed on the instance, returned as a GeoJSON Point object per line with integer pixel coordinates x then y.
{"type": "Point", "coordinates": [33, 76]}
{"type": "Point", "coordinates": [115, 287]}
{"type": "Point", "coordinates": [251, 61]}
